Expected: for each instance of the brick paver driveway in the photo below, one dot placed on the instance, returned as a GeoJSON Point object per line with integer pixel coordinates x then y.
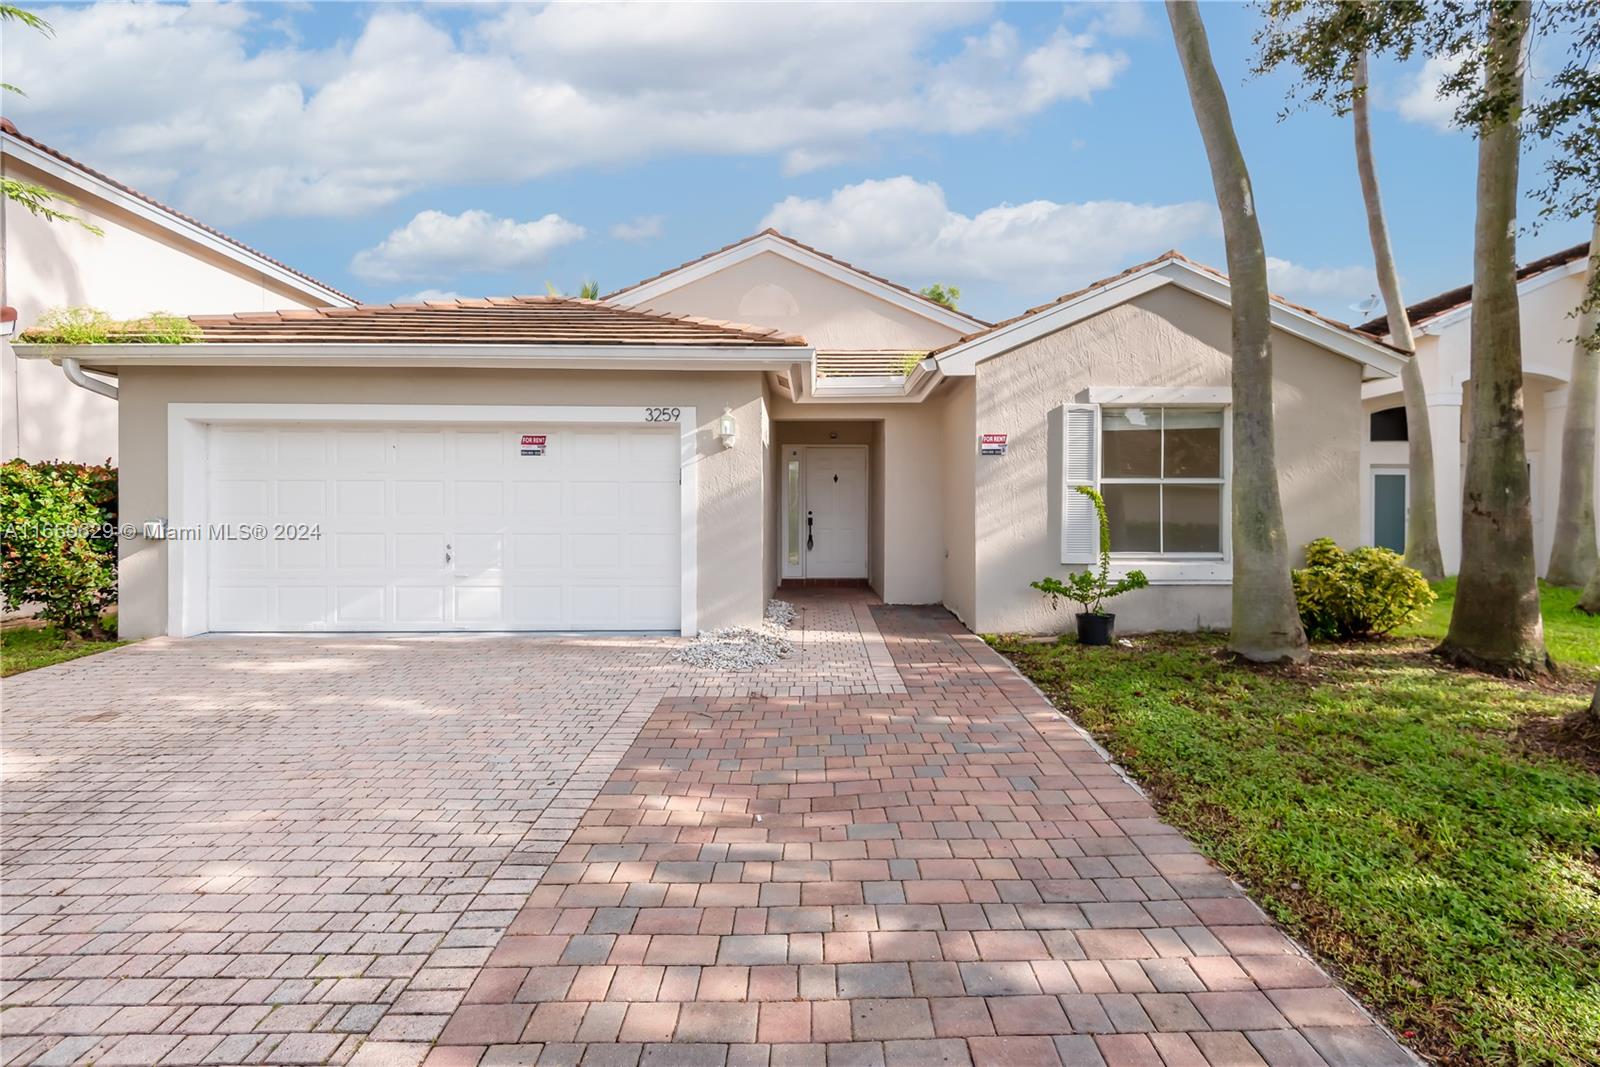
{"type": "Point", "coordinates": [301, 851]}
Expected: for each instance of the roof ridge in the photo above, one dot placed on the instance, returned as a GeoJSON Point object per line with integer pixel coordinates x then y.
{"type": "Point", "coordinates": [9, 128]}
{"type": "Point", "coordinates": [773, 232]}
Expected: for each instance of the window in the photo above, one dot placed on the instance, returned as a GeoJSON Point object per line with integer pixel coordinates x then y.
{"type": "Point", "coordinates": [1162, 477]}
{"type": "Point", "coordinates": [1389, 424]}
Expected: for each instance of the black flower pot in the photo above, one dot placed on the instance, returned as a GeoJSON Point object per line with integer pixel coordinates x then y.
{"type": "Point", "coordinates": [1095, 629]}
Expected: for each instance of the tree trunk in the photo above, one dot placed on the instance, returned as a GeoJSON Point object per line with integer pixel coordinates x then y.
{"type": "Point", "coordinates": [1589, 599]}
{"type": "Point", "coordinates": [1422, 518]}
{"type": "Point", "coordinates": [1495, 625]}
{"type": "Point", "coordinates": [1572, 552]}
{"type": "Point", "coordinates": [1266, 623]}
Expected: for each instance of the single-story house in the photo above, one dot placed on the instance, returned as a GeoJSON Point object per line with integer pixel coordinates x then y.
{"type": "Point", "coordinates": [1549, 290]}
{"type": "Point", "coordinates": [664, 458]}
{"type": "Point", "coordinates": [146, 257]}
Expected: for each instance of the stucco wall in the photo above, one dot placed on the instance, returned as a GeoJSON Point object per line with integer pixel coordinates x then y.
{"type": "Point", "coordinates": [1444, 356]}
{"type": "Point", "coordinates": [1167, 337]}
{"type": "Point", "coordinates": [731, 589]}
{"type": "Point", "coordinates": [960, 441]}
{"type": "Point", "coordinates": [769, 290]}
{"type": "Point", "coordinates": [907, 567]}
{"type": "Point", "coordinates": [135, 268]}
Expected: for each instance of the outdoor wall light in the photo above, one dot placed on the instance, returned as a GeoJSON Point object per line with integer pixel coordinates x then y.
{"type": "Point", "coordinates": [727, 429]}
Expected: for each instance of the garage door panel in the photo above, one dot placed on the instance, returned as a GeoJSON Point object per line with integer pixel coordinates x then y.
{"type": "Point", "coordinates": [302, 450]}
{"type": "Point", "coordinates": [361, 551]}
{"type": "Point", "coordinates": [420, 605]}
{"type": "Point", "coordinates": [363, 450]}
{"type": "Point", "coordinates": [536, 607]}
{"type": "Point", "coordinates": [243, 498]}
{"type": "Point", "coordinates": [479, 498]}
{"type": "Point", "coordinates": [419, 450]}
{"type": "Point", "coordinates": [585, 536]}
{"type": "Point", "coordinates": [302, 554]}
{"type": "Point", "coordinates": [360, 604]}
{"type": "Point", "coordinates": [235, 553]}
{"type": "Point", "coordinates": [413, 497]}
{"type": "Point", "coordinates": [237, 447]}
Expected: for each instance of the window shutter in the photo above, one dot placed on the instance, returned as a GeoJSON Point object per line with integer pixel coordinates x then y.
{"type": "Point", "coordinates": [1080, 465]}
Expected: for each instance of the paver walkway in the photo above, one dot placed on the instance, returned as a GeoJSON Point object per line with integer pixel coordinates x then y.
{"type": "Point", "coordinates": [945, 875]}
{"type": "Point", "coordinates": [270, 850]}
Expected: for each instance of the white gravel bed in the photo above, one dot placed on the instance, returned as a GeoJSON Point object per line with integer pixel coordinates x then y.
{"type": "Point", "coordinates": [743, 648]}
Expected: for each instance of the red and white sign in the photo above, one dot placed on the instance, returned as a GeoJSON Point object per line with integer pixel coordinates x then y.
{"type": "Point", "coordinates": [992, 444]}
{"type": "Point", "coordinates": [533, 444]}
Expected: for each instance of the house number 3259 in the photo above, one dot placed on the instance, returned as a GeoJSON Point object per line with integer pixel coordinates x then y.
{"type": "Point", "coordinates": [662, 414]}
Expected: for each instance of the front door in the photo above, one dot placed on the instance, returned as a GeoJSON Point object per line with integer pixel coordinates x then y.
{"type": "Point", "coordinates": [834, 529]}
{"type": "Point", "coordinates": [1389, 509]}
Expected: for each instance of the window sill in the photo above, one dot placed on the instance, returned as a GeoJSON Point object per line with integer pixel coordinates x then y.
{"type": "Point", "coordinates": [1176, 571]}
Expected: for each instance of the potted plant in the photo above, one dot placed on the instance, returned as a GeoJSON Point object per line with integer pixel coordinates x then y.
{"type": "Point", "coordinates": [1094, 586]}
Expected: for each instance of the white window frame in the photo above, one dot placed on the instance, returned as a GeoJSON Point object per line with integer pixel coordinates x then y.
{"type": "Point", "coordinates": [1174, 567]}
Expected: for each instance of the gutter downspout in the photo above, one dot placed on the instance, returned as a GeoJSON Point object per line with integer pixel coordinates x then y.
{"type": "Point", "coordinates": [74, 372]}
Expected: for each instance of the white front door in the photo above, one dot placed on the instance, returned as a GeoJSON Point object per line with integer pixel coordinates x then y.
{"type": "Point", "coordinates": [835, 525]}
{"type": "Point", "coordinates": [426, 527]}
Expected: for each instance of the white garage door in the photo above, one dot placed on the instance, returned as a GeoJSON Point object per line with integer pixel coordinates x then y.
{"type": "Point", "coordinates": [442, 528]}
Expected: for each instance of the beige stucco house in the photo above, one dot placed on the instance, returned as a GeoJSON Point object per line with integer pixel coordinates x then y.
{"type": "Point", "coordinates": [663, 459]}
{"type": "Point", "coordinates": [1550, 290]}
{"type": "Point", "coordinates": [147, 257]}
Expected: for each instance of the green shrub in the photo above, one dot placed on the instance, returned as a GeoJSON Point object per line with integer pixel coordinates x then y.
{"type": "Point", "coordinates": [91, 326]}
{"type": "Point", "coordinates": [59, 549]}
{"type": "Point", "coordinates": [1361, 593]}
{"type": "Point", "coordinates": [1093, 586]}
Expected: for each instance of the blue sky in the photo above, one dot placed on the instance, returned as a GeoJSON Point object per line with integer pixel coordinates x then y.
{"type": "Point", "coordinates": [1016, 151]}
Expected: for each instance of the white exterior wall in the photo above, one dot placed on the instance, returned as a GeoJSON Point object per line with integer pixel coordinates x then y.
{"type": "Point", "coordinates": [135, 268]}
{"type": "Point", "coordinates": [1444, 355]}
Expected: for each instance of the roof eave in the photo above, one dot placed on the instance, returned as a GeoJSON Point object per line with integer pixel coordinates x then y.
{"type": "Point", "coordinates": [550, 357]}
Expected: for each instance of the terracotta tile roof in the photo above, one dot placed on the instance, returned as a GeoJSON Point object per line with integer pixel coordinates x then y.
{"type": "Point", "coordinates": [1170, 255]}
{"type": "Point", "coordinates": [511, 320]}
{"type": "Point", "coordinates": [9, 128]}
{"type": "Point", "coordinates": [770, 232]}
{"type": "Point", "coordinates": [1434, 306]}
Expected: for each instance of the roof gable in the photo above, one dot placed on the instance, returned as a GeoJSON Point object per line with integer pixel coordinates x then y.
{"type": "Point", "coordinates": [772, 242]}
{"type": "Point", "coordinates": [68, 171]}
{"type": "Point", "coordinates": [1170, 268]}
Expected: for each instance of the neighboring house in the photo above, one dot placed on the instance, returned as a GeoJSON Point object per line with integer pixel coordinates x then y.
{"type": "Point", "coordinates": [1550, 290]}
{"type": "Point", "coordinates": [646, 463]}
{"type": "Point", "coordinates": [149, 258]}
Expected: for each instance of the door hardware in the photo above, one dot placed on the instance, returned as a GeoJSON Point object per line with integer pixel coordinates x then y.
{"type": "Point", "coordinates": [810, 541]}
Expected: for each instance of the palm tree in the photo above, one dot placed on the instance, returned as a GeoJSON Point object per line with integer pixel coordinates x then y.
{"type": "Point", "coordinates": [1422, 522]}
{"type": "Point", "coordinates": [1573, 555]}
{"type": "Point", "coordinates": [1266, 624]}
{"type": "Point", "coordinates": [1495, 624]}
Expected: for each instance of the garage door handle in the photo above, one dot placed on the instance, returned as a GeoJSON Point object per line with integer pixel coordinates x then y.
{"type": "Point", "coordinates": [447, 556]}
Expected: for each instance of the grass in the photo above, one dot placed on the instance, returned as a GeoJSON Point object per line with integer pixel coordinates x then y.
{"type": "Point", "coordinates": [1384, 810]}
{"type": "Point", "coordinates": [27, 648]}
{"type": "Point", "coordinates": [1572, 638]}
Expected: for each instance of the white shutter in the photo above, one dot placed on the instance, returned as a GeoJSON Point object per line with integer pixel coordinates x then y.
{"type": "Point", "coordinates": [1080, 465]}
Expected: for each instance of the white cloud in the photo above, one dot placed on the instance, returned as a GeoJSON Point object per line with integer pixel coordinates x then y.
{"type": "Point", "coordinates": [1420, 100]}
{"type": "Point", "coordinates": [436, 245]}
{"type": "Point", "coordinates": [231, 115]}
{"type": "Point", "coordinates": [905, 227]}
{"type": "Point", "coordinates": [426, 295]}
{"type": "Point", "coordinates": [1319, 284]}
{"type": "Point", "coordinates": [642, 228]}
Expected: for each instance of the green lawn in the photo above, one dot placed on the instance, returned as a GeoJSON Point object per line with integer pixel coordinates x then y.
{"type": "Point", "coordinates": [1382, 808]}
{"type": "Point", "coordinates": [26, 648]}
{"type": "Point", "coordinates": [1572, 638]}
